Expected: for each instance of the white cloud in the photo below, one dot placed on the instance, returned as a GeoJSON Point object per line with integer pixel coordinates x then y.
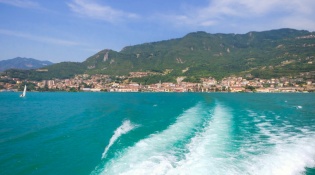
{"type": "Point", "coordinates": [21, 3]}
{"type": "Point", "coordinates": [44, 39]}
{"type": "Point", "coordinates": [228, 13]}
{"type": "Point", "coordinates": [298, 22]}
{"type": "Point", "coordinates": [97, 11]}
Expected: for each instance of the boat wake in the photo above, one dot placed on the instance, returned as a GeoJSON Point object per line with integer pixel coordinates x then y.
{"type": "Point", "coordinates": [157, 153]}
{"type": "Point", "coordinates": [213, 140]}
{"type": "Point", "coordinates": [123, 129]}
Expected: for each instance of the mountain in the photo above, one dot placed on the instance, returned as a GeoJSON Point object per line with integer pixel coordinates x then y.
{"type": "Point", "coordinates": [274, 53]}
{"type": "Point", "coordinates": [268, 53]}
{"type": "Point", "coordinates": [22, 63]}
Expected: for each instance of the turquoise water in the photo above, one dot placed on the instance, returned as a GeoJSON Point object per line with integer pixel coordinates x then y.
{"type": "Point", "coordinates": [157, 133]}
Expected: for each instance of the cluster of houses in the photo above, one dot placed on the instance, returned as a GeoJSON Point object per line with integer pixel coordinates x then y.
{"type": "Point", "coordinates": [95, 83]}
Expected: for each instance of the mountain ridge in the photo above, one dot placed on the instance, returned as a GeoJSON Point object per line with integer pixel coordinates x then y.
{"type": "Point", "coordinates": [269, 53]}
{"type": "Point", "coordinates": [210, 48]}
{"type": "Point", "coordinates": [23, 63]}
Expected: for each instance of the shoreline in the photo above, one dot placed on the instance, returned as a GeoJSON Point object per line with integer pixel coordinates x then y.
{"type": "Point", "coordinates": [298, 92]}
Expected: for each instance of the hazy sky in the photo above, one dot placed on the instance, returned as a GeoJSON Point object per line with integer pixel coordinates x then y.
{"type": "Point", "coordinates": [73, 30]}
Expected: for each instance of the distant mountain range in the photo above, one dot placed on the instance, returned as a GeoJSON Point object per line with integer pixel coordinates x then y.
{"type": "Point", "coordinates": [23, 63]}
{"type": "Point", "coordinates": [274, 53]}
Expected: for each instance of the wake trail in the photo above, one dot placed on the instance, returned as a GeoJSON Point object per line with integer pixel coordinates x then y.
{"type": "Point", "coordinates": [121, 130]}
{"type": "Point", "coordinates": [204, 140]}
{"type": "Point", "coordinates": [289, 154]}
{"type": "Point", "coordinates": [156, 154]}
{"type": "Point", "coordinates": [209, 149]}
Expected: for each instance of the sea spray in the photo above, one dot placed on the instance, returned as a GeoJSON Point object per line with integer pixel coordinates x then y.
{"type": "Point", "coordinates": [208, 151]}
{"type": "Point", "coordinates": [283, 150]}
{"type": "Point", "coordinates": [285, 158]}
{"type": "Point", "coordinates": [249, 137]}
{"type": "Point", "coordinates": [157, 153]}
{"type": "Point", "coordinates": [121, 130]}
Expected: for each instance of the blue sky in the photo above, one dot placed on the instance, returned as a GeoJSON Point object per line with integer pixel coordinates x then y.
{"type": "Point", "coordinates": [73, 30]}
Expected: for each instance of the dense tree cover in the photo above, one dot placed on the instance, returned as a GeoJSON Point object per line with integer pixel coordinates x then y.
{"type": "Point", "coordinates": [153, 79]}
{"type": "Point", "coordinates": [60, 70]}
{"type": "Point", "coordinates": [6, 80]}
{"type": "Point", "coordinates": [29, 86]}
{"type": "Point", "coordinates": [192, 79]}
{"type": "Point", "coordinates": [199, 54]}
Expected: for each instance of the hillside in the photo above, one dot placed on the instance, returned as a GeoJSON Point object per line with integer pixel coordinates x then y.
{"type": "Point", "coordinates": [266, 54]}
{"type": "Point", "coordinates": [61, 70]}
{"type": "Point", "coordinates": [22, 63]}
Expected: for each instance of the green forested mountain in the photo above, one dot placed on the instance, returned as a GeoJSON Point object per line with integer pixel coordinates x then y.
{"type": "Point", "coordinates": [61, 70]}
{"type": "Point", "coordinates": [265, 54]}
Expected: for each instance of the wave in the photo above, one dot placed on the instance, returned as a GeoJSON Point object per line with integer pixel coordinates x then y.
{"type": "Point", "coordinates": [278, 149]}
{"type": "Point", "coordinates": [209, 150]}
{"type": "Point", "coordinates": [286, 158]}
{"type": "Point", "coordinates": [157, 153]}
{"type": "Point", "coordinates": [204, 140]}
{"type": "Point", "coordinates": [123, 129]}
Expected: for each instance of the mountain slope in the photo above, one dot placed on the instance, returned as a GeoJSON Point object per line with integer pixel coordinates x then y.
{"type": "Point", "coordinates": [22, 63]}
{"type": "Point", "coordinates": [274, 53]}
{"type": "Point", "coordinates": [61, 70]}
{"type": "Point", "coordinates": [268, 53]}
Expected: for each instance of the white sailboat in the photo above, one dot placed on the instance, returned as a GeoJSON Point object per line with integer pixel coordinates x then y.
{"type": "Point", "coordinates": [24, 92]}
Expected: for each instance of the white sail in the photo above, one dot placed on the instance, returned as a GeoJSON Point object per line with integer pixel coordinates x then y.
{"type": "Point", "coordinates": [24, 92]}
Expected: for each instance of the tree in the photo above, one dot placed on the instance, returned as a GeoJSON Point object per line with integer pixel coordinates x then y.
{"type": "Point", "coordinates": [73, 89]}
{"type": "Point", "coordinates": [251, 88]}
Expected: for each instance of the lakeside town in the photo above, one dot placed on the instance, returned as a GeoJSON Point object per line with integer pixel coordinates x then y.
{"type": "Point", "coordinates": [96, 83]}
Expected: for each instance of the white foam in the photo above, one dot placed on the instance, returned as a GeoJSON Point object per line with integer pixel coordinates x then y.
{"type": "Point", "coordinates": [282, 153]}
{"type": "Point", "coordinates": [123, 129]}
{"type": "Point", "coordinates": [285, 158]}
{"type": "Point", "coordinates": [272, 149]}
{"type": "Point", "coordinates": [251, 113]}
{"type": "Point", "coordinates": [209, 150]}
{"type": "Point", "coordinates": [157, 154]}
{"type": "Point", "coordinates": [291, 154]}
